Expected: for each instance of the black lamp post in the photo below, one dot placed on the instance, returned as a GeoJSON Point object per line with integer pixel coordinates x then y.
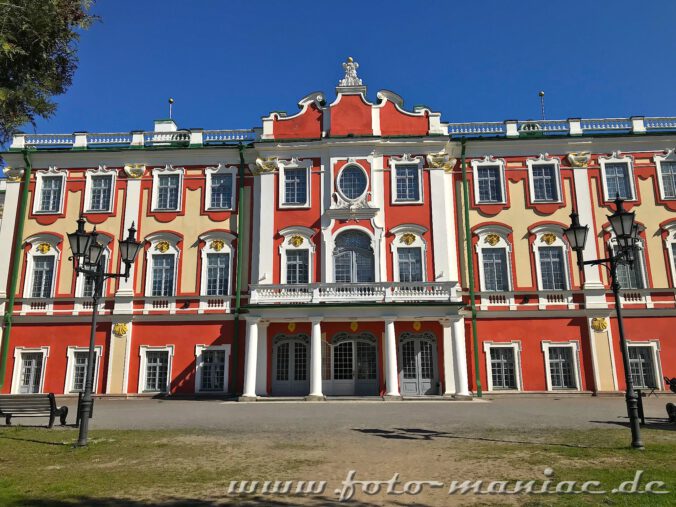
{"type": "Point", "coordinates": [626, 235]}
{"type": "Point", "coordinates": [88, 259]}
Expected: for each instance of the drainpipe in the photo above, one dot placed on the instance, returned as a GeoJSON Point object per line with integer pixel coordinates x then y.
{"type": "Point", "coordinates": [238, 281]}
{"type": "Point", "coordinates": [14, 280]}
{"type": "Point", "coordinates": [470, 267]}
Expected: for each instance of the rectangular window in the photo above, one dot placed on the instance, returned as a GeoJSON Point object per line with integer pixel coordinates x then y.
{"type": "Point", "coordinates": [31, 372]}
{"type": "Point", "coordinates": [50, 198]}
{"type": "Point", "coordinates": [213, 370]}
{"type": "Point", "coordinates": [297, 266]}
{"type": "Point", "coordinates": [101, 192]}
{"type": "Point", "coordinates": [410, 264]}
{"type": "Point", "coordinates": [163, 275]}
{"type": "Point", "coordinates": [79, 370]}
{"type": "Point", "coordinates": [168, 191]}
{"type": "Point", "coordinates": [552, 268]}
{"type": "Point", "coordinates": [642, 367]}
{"type": "Point", "coordinates": [545, 184]}
{"type": "Point", "coordinates": [43, 276]}
{"type": "Point", "coordinates": [490, 183]}
{"type": "Point", "coordinates": [88, 283]}
{"type": "Point", "coordinates": [503, 368]}
{"type": "Point", "coordinates": [495, 269]}
{"type": "Point", "coordinates": [630, 277]}
{"type": "Point", "coordinates": [561, 368]}
{"type": "Point", "coordinates": [295, 186]}
{"type": "Point", "coordinates": [668, 170]}
{"type": "Point", "coordinates": [617, 181]}
{"type": "Point", "coordinates": [218, 270]}
{"type": "Point", "coordinates": [221, 191]}
{"type": "Point", "coordinates": [408, 183]}
{"type": "Point", "coordinates": [157, 369]}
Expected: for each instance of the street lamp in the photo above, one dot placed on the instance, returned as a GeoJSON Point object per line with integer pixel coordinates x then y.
{"type": "Point", "coordinates": [627, 237]}
{"type": "Point", "coordinates": [88, 259]}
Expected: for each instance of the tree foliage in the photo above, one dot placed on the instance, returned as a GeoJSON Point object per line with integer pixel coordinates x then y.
{"type": "Point", "coordinates": [38, 57]}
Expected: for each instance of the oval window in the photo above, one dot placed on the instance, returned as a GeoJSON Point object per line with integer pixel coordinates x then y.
{"type": "Point", "coordinates": [352, 182]}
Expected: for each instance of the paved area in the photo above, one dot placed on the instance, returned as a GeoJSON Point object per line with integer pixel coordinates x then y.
{"type": "Point", "coordinates": [566, 412]}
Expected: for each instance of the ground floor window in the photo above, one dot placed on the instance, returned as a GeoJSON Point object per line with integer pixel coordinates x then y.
{"type": "Point", "coordinates": [29, 370]}
{"type": "Point", "coordinates": [76, 370]}
{"type": "Point", "coordinates": [155, 373]}
{"type": "Point", "coordinates": [561, 361]}
{"type": "Point", "coordinates": [503, 365]}
{"type": "Point", "coordinates": [642, 359]}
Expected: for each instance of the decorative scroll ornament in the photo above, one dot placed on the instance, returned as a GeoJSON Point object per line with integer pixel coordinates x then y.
{"type": "Point", "coordinates": [43, 248]}
{"type": "Point", "coordinates": [579, 158]}
{"type": "Point", "coordinates": [296, 240]}
{"type": "Point", "coordinates": [218, 245]}
{"type": "Point", "coordinates": [354, 326]}
{"type": "Point", "coordinates": [291, 327]}
{"type": "Point", "coordinates": [548, 238]}
{"type": "Point", "coordinates": [351, 78]}
{"type": "Point", "coordinates": [407, 238]}
{"type": "Point", "coordinates": [120, 329]}
{"type": "Point", "coordinates": [135, 171]}
{"type": "Point", "coordinates": [417, 325]}
{"type": "Point", "coordinates": [441, 160]}
{"type": "Point", "coordinates": [492, 239]}
{"type": "Point", "coordinates": [13, 174]}
{"type": "Point", "coordinates": [265, 165]}
{"type": "Point", "coordinates": [599, 324]}
{"type": "Point", "coordinates": [162, 246]}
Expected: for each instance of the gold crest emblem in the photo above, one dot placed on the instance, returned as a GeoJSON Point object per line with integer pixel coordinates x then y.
{"type": "Point", "coordinates": [291, 327]}
{"type": "Point", "coordinates": [217, 244]}
{"type": "Point", "coordinates": [120, 329]}
{"type": "Point", "coordinates": [354, 325]}
{"type": "Point", "coordinates": [492, 239]}
{"type": "Point", "coordinates": [43, 248]}
{"type": "Point", "coordinates": [548, 238]}
{"type": "Point", "coordinates": [162, 246]}
{"type": "Point", "coordinates": [296, 240]}
{"type": "Point", "coordinates": [407, 238]}
{"type": "Point", "coordinates": [417, 325]}
{"type": "Point", "coordinates": [599, 324]}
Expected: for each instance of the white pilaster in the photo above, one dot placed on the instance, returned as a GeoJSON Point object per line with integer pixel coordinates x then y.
{"type": "Point", "coordinates": [262, 360]}
{"type": "Point", "coordinates": [264, 207]}
{"type": "Point", "coordinates": [125, 293]}
{"type": "Point", "coordinates": [460, 358]}
{"type": "Point", "coordinates": [391, 380]}
{"type": "Point", "coordinates": [316, 360]}
{"type": "Point", "coordinates": [443, 228]}
{"type": "Point", "coordinates": [7, 227]}
{"type": "Point", "coordinates": [250, 358]}
{"type": "Point", "coordinates": [449, 366]}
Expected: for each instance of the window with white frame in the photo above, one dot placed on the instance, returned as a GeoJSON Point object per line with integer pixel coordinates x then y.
{"type": "Point", "coordinates": [49, 191]}
{"type": "Point", "coordinates": [85, 284]}
{"type": "Point", "coordinates": [220, 192]}
{"type": "Point", "coordinates": [217, 256]}
{"type": "Point", "coordinates": [562, 365]}
{"type": "Point", "coordinates": [503, 365]}
{"type": "Point", "coordinates": [29, 370]}
{"type": "Point", "coordinates": [544, 179]}
{"type": "Point", "coordinates": [167, 188]}
{"type": "Point", "coordinates": [99, 190]}
{"type": "Point", "coordinates": [296, 255]}
{"type": "Point", "coordinates": [163, 274]}
{"type": "Point", "coordinates": [212, 368]}
{"type": "Point", "coordinates": [552, 268]}
{"type": "Point", "coordinates": [631, 276]}
{"type": "Point", "coordinates": [669, 234]}
{"type": "Point", "coordinates": [410, 264]}
{"type": "Point", "coordinates": [43, 276]}
{"type": "Point", "coordinates": [155, 367]}
{"type": "Point", "coordinates": [294, 183]}
{"type": "Point", "coordinates": [644, 364]}
{"type": "Point", "coordinates": [489, 180]}
{"type": "Point", "coordinates": [41, 265]}
{"type": "Point", "coordinates": [352, 182]}
{"type": "Point", "coordinates": [162, 265]}
{"type": "Point", "coordinates": [408, 251]}
{"type": "Point", "coordinates": [493, 250]}
{"type": "Point", "coordinates": [76, 369]}
{"type": "Point", "coordinates": [618, 177]}
{"type": "Point", "coordinates": [406, 179]}
{"type": "Point", "coordinates": [666, 174]}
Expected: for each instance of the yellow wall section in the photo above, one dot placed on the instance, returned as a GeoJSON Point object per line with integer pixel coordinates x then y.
{"type": "Point", "coordinates": [118, 347]}
{"type": "Point", "coordinates": [603, 361]}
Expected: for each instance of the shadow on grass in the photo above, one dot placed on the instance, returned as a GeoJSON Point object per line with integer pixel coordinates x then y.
{"type": "Point", "coordinates": [423, 434]}
{"type": "Point", "coordinates": [32, 440]}
{"type": "Point", "coordinates": [652, 423]}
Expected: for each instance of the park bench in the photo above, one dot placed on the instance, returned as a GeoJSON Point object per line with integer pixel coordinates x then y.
{"type": "Point", "coordinates": [671, 408]}
{"type": "Point", "coordinates": [31, 405]}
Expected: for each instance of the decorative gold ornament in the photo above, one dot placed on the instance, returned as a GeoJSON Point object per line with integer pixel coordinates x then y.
{"type": "Point", "coordinates": [548, 238]}
{"type": "Point", "coordinates": [265, 165]}
{"type": "Point", "coordinates": [579, 158]}
{"type": "Point", "coordinates": [296, 240]}
{"type": "Point", "coordinates": [441, 160]}
{"type": "Point", "coordinates": [162, 246]}
{"type": "Point", "coordinates": [417, 325]}
{"type": "Point", "coordinates": [120, 329]}
{"type": "Point", "coordinates": [291, 327]}
{"type": "Point", "coordinates": [354, 326]}
{"type": "Point", "coordinates": [217, 244]}
{"type": "Point", "coordinates": [135, 171]}
{"type": "Point", "coordinates": [13, 174]}
{"type": "Point", "coordinates": [599, 324]}
{"type": "Point", "coordinates": [43, 248]}
{"type": "Point", "coordinates": [407, 238]}
{"type": "Point", "coordinates": [492, 239]}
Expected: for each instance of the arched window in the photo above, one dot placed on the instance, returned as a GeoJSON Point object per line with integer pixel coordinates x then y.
{"type": "Point", "coordinates": [353, 258]}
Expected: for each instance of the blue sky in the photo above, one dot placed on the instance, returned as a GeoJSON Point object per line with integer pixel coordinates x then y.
{"type": "Point", "coordinates": [227, 63]}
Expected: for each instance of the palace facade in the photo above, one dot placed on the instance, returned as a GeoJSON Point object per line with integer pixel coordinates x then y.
{"type": "Point", "coordinates": [355, 248]}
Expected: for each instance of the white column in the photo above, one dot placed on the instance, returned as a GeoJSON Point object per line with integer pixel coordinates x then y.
{"type": "Point", "coordinates": [460, 357]}
{"type": "Point", "coordinates": [7, 227]}
{"type": "Point", "coordinates": [262, 360]}
{"type": "Point", "coordinates": [391, 380]}
{"type": "Point", "coordinates": [316, 360]}
{"type": "Point", "coordinates": [449, 366]}
{"type": "Point", "coordinates": [263, 224]}
{"type": "Point", "coordinates": [250, 358]}
{"type": "Point", "coordinates": [443, 228]}
{"type": "Point", "coordinates": [125, 293]}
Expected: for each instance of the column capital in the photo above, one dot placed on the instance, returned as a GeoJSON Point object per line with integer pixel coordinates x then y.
{"type": "Point", "coordinates": [315, 320]}
{"type": "Point", "coordinates": [252, 319]}
{"type": "Point", "coordinates": [389, 320]}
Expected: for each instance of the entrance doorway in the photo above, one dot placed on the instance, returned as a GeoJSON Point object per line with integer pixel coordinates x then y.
{"type": "Point", "coordinates": [418, 374]}
{"type": "Point", "coordinates": [290, 359]}
{"type": "Point", "coordinates": [351, 365]}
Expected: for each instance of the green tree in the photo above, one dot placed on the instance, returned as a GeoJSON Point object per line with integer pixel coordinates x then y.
{"type": "Point", "coordinates": [38, 57]}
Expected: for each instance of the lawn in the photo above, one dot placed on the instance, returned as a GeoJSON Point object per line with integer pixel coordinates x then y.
{"type": "Point", "coordinates": [123, 467]}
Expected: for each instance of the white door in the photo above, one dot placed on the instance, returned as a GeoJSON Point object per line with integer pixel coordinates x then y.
{"type": "Point", "coordinates": [31, 372]}
{"type": "Point", "coordinates": [354, 366]}
{"type": "Point", "coordinates": [290, 359]}
{"type": "Point", "coordinates": [418, 359]}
